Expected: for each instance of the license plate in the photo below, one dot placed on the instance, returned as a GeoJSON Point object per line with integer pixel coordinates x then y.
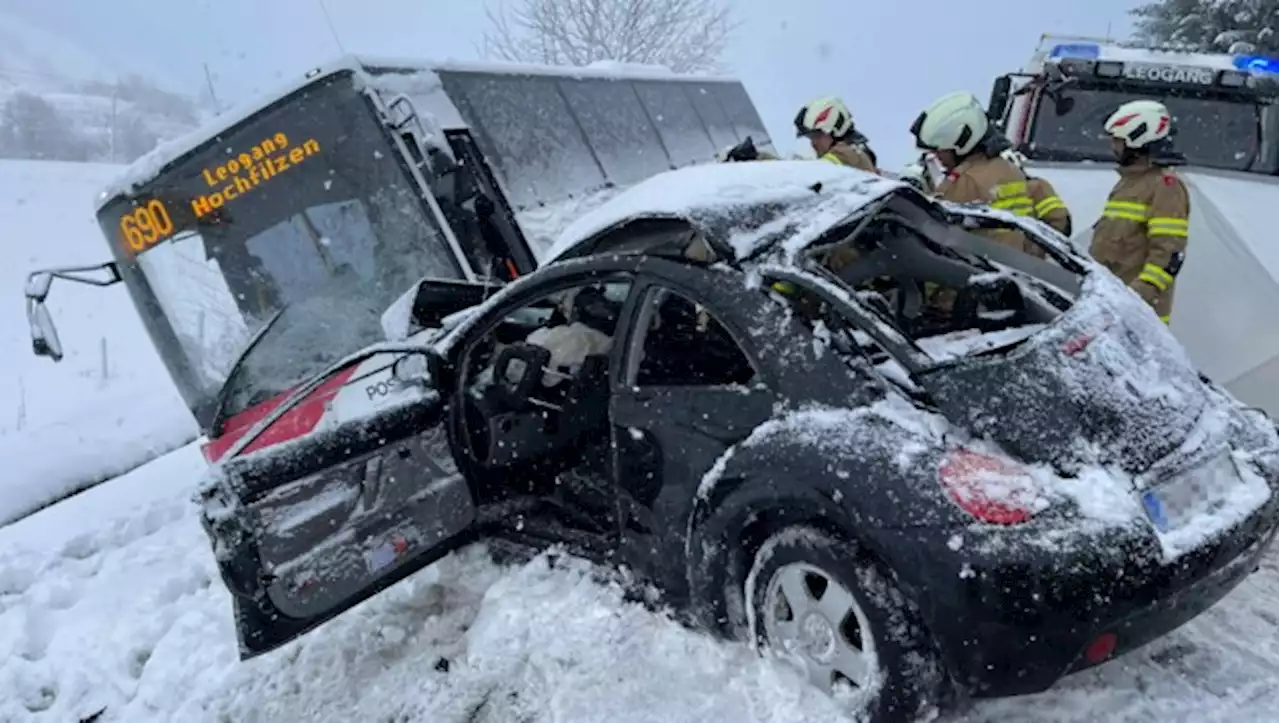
{"type": "Point", "coordinates": [381, 556]}
{"type": "Point", "coordinates": [1171, 503]}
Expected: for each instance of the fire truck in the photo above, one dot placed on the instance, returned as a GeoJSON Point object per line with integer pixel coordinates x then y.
{"type": "Point", "coordinates": [1224, 109]}
{"type": "Point", "coordinates": [266, 246]}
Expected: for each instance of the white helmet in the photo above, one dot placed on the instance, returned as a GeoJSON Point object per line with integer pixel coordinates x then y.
{"type": "Point", "coordinates": [1139, 123]}
{"type": "Point", "coordinates": [955, 122]}
{"type": "Point", "coordinates": [829, 115]}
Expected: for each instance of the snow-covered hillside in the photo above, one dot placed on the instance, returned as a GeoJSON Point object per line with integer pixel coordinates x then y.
{"type": "Point", "coordinates": [61, 102]}
{"type": "Point", "coordinates": [29, 51]}
{"type": "Point", "coordinates": [110, 602]}
{"type": "Point", "coordinates": [109, 405]}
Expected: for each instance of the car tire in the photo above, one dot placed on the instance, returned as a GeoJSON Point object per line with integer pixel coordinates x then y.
{"type": "Point", "coordinates": [848, 617]}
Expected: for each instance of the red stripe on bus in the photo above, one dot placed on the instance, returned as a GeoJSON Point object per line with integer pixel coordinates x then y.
{"type": "Point", "coordinates": [297, 422]}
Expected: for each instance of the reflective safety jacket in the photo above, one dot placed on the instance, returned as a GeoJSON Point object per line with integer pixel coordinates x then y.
{"type": "Point", "coordinates": [1142, 235]}
{"type": "Point", "coordinates": [1047, 206]}
{"type": "Point", "coordinates": [997, 183]}
{"type": "Point", "coordinates": [847, 155]}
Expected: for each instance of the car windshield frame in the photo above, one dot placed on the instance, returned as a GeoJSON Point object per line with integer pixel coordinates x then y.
{"type": "Point", "coordinates": [1096, 99]}
{"type": "Point", "coordinates": [350, 217]}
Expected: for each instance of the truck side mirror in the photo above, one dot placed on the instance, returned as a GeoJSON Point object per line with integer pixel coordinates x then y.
{"type": "Point", "coordinates": [999, 103]}
{"type": "Point", "coordinates": [44, 336]}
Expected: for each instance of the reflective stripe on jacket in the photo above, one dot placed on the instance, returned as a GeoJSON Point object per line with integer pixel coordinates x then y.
{"type": "Point", "coordinates": [997, 183]}
{"type": "Point", "coordinates": [1142, 235]}
{"type": "Point", "coordinates": [846, 155]}
{"type": "Point", "coordinates": [1049, 207]}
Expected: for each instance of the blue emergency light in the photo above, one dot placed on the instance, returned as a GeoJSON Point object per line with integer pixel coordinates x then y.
{"type": "Point", "coordinates": [1257, 64]}
{"type": "Point", "coordinates": [1088, 51]}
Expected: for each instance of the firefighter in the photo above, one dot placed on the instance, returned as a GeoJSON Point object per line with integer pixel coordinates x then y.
{"type": "Point", "coordinates": [956, 129]}
{"type": "Point", "coordinates": [828, 125]}
{"type": "Point", "coordinates": [1046, 204]}
{"type": "Point", "coordinates": [1142, 235]}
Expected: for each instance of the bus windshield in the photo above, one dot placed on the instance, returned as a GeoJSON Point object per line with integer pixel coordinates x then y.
{"type": "Point", "coordinates": [307, 208]}
{"type": "Point", "coordinates": [1211, 131]}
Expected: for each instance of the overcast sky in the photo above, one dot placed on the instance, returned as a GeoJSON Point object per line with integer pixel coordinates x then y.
{"type": "Point", "coordinates": [886, 58]}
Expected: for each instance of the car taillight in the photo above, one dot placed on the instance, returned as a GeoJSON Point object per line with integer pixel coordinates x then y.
{"type": "Point", "coordinates": [992, 489]}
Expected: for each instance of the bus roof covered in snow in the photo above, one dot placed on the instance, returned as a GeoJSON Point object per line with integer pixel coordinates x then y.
{"type": "Point", "coordinates": [689, 117]}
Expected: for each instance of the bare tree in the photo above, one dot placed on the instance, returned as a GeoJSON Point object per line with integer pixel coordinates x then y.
{"type": "Point", "coordinates": [683, 35]}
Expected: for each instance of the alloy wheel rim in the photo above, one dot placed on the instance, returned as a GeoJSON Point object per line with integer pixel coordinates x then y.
{"type": "Point", "coordinates": [814, 623]}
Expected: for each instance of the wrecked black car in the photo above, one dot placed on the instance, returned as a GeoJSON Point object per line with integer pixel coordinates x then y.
{"type": "Point", "coordinates": [947, 468]}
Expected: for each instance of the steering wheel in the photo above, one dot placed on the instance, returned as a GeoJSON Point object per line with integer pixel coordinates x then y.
{"type": "Point", "coordinates": [517, 373]}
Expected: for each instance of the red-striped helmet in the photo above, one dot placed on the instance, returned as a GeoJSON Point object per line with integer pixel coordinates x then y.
{"type": "Point", "coordinates": [1139, 123]}
{"type": "Point", "coordinates": [828, 115]}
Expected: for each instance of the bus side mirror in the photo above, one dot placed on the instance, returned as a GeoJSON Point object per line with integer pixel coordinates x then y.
{"type": "Point", "coordinates": [38, 283]}
{"type": "Point", "coordinates": [44, 336]}
{"type": "Point", "coordinates": [999, 103]}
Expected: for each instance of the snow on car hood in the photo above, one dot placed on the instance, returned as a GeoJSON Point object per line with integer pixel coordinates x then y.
{"type": "Point", "coordinates": [712, 192]}
{"type": "Point", "coordinates": [1225, 311]}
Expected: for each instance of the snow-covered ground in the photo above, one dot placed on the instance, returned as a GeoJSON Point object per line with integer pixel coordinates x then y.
{"type": "Point", "coordinates": [110, 601]}
{"type": "Point", "coordinates": [108, 405]}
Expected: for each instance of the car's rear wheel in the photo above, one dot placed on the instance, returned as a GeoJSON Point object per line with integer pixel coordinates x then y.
{"type": "Point", "coordinates": [812, 601]}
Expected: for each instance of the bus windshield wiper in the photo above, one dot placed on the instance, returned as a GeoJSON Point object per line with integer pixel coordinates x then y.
{"type": "Point", "coordinates": [224, 394]}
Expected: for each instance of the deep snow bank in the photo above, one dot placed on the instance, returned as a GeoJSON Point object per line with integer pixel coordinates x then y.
{"type": "Point", "coordinates": [110, 602]}
{"type": "Point", "coordinates": [95, 414]}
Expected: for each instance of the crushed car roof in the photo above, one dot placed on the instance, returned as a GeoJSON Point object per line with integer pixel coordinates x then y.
{"type": "Point", "coordinates": [748, 205]}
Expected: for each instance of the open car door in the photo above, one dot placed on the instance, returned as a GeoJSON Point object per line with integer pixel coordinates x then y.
{"type": "Point", "coordinates": [305, 529]}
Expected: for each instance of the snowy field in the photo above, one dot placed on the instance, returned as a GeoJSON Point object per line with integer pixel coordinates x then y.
{"type": "Point", "coordinates": [108, 406]}
{"type": "Point", "coordinates": [110, 602]}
